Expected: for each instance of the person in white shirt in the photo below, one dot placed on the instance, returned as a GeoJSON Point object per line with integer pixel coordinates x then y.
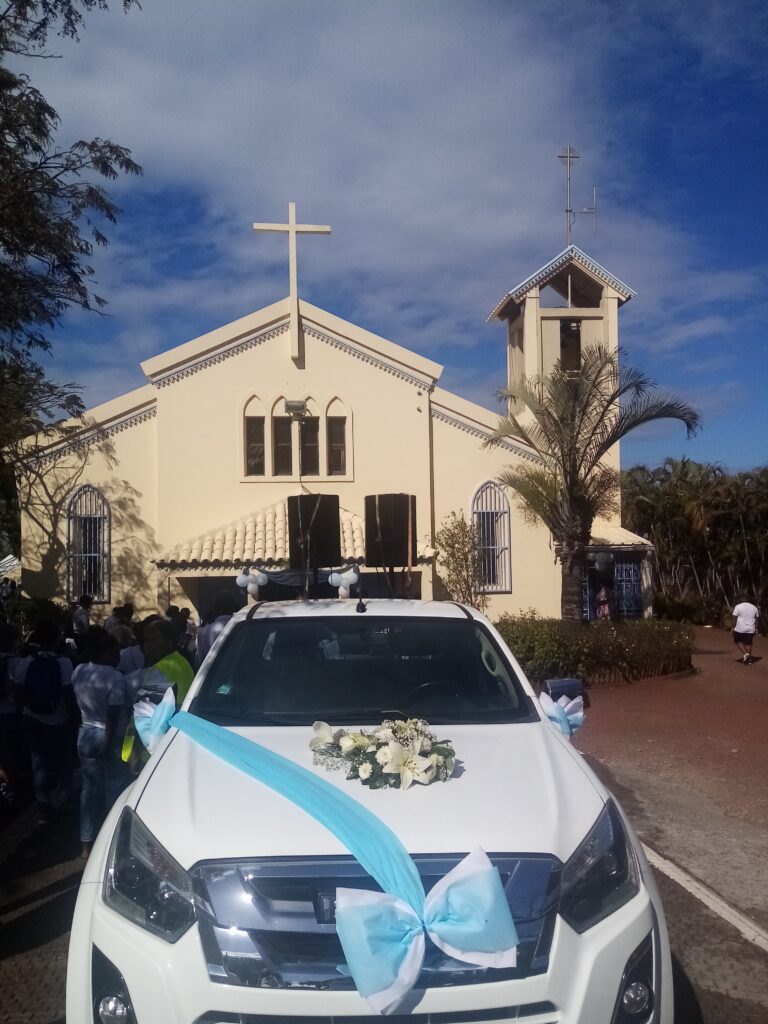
{"type": "Point", "coordinates": [100, 694]}
{"type": "Point", "coordinates": [744, 629]}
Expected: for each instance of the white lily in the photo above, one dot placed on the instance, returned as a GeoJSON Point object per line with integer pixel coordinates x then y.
{"type": "Point", "coordinates": [411, 767]}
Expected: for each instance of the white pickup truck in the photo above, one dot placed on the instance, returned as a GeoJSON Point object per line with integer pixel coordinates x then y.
{"type": "Point", "coordinates": [210, 898]}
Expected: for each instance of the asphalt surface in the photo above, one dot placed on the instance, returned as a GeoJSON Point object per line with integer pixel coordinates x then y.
{"type": "Point", "coordinates": [685, 755]}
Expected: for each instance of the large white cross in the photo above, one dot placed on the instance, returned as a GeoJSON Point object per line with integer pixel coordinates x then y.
{"type": "Point", "coordinates": [294, 229]}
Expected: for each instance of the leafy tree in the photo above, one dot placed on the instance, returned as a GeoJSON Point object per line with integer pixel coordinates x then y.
{"type": "Point", "coordinates": [51, 217]}
{"type": "Point", "coordinates": [50, 213]}
{"type": "Point", "coordinates": [460, 560]}
{"type": "Point", "coordinates": [571, 421]}
{"type": "Point", "coordinates": [709, 529]}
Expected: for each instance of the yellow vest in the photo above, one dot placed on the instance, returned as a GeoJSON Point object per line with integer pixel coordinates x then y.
{"type": "Point", "coordinates": [179, 674]}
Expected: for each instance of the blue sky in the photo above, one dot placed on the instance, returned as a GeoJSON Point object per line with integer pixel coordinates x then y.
{"type": "Point", "coordinates": [426, 133]}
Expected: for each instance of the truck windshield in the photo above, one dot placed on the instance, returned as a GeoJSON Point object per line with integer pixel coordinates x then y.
{"type": "Point", "coordinates": [293, 671]}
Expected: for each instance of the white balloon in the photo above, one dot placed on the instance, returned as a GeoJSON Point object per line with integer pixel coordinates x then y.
{"type": "Point", "coordinates": [335, 579]}
{"type": "Point", "coordinates": [262, 579]}
{"type": "Point", "coordinates": [243, 579]}
{"type": "Point", "coordinates": [349, 578]}
{"type": "Point", "coordinates": [253, 589]}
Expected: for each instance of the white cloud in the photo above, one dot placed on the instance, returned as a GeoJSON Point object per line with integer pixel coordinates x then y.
{"type": "Point", "coordinates": [425, 134]}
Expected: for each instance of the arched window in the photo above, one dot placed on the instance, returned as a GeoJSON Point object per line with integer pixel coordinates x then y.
{"type": "Point", "coordinates": [490, 514]}
{"type": "Point", "coordinates": [253, 438]}
{"type": "Point", "coordinates": [336, 441]}
{"type": "Point", "coordinates": [89, 528]}
{"type": "Point", "coordinates": [309, 440]}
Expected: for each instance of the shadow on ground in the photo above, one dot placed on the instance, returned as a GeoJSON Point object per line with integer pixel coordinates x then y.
{"type": "Point", "coordinates": [687, 1008]}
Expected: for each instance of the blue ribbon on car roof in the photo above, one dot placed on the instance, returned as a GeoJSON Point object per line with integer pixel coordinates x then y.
{"type": "Point", "coordinates": [465, 914]}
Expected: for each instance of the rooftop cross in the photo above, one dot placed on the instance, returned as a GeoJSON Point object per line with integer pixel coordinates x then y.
{"type": "Point", "coordinates": [294, 229]}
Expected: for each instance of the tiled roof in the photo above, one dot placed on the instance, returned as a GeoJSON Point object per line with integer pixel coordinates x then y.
{"type": "Point", "coordinates": [572, 254]}
{"type": "Point", "coordinates": [261, 539]}
{"type": "Point", "coordinates": [616, 536]}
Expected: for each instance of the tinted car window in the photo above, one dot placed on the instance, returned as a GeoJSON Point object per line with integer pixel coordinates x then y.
{"type": "Point", "coordinates": [295, 670]}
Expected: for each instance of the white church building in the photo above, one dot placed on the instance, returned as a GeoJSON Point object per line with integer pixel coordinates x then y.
{"type": "Point", "coordinates": [170, 489]}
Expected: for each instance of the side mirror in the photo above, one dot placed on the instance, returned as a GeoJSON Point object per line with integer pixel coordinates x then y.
{"type": "Point", "coordinates": [570, 688]}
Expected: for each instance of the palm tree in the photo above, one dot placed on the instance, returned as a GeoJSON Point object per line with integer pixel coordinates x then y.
{"type": "Point", "coordinates": [571, 421]}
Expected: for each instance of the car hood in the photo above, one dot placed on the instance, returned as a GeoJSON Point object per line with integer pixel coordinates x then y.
{"type": "Point", "coordinates": [517, 788]}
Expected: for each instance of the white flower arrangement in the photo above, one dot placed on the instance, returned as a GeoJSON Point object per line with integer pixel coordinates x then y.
{"type": "Point", "coordinates": [395, 755]}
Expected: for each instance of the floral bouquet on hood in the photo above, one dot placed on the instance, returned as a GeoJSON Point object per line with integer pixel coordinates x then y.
{"type": "Point", "coordinates": [395, 755]}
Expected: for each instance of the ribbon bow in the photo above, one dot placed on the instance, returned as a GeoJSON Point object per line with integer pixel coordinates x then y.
{"type": "Point", "coordinates": [466, 913]}
{"type": "Point", "coordinates": [567, 715]}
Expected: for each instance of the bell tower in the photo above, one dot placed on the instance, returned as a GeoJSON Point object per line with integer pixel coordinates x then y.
{"type": "Point", "coordinates": [569, 303]}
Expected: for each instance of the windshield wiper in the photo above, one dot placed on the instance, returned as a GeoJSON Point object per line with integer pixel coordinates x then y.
{"type": "Point", "coordinates": [237, 718]}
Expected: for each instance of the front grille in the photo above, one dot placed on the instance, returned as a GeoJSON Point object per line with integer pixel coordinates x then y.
{"type": "Point", "coordinates": [543, 1012]}
{"type": "Point", "coordinates": [271, 921]}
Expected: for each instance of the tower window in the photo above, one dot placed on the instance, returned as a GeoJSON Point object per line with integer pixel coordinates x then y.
{"type": "Point", "coordinates": [570, 345]}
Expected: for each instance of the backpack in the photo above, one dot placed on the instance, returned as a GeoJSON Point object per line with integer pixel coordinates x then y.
{"type": "Point", "coordinates": [42, 685]}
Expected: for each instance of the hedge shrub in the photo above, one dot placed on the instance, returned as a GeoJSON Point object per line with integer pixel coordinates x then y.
{"type": "Point", "coordinates": [599, 652]}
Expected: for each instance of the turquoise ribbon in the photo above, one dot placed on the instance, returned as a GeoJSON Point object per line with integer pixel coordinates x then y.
{"type": "Point", "coordinates": [382, 934]}
{"type": "Point", "coordinates": [567, 716]}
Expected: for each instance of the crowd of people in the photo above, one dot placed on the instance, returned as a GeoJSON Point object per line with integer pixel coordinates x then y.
{"type": "Point", "coordinates": [70, 698]}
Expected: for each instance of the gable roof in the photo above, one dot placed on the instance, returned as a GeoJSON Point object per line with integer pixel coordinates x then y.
{"type": "Point", "coordinates": [572, 254]}
{"type": "Point", "coordinates": [267, 323]}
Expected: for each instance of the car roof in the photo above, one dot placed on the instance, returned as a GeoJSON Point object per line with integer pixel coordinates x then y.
{"type": "Point", "coordinates": [377, 607]}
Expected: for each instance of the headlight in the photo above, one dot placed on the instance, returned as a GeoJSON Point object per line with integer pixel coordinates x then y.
{"type": "Point", "coordinates": [602, 874]}
{"type": "Point", "coordinates": [145, 884]}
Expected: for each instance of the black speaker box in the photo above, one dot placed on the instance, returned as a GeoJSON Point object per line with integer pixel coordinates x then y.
{"type": "Point", "coordinates": [386, 529]}
{"type": "Point", "coordinates": [314, 517]}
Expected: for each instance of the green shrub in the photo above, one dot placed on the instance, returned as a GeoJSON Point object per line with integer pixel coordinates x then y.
{"type": "Point", "coordinates": [700, 611]}
{"type": "Point", "coordinates": [598, 652]}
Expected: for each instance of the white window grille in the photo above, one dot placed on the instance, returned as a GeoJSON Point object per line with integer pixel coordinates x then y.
{"type": "Point", "coordinates": [490, 515]}
{"type": "Point", "coordinates": [89, 529]}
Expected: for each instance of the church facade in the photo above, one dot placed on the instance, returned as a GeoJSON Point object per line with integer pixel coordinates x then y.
{"type": "Point", "coordinates": [169, 490]}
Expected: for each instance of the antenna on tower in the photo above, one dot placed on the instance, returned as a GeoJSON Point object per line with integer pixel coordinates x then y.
{"type": "Point", "coordinates": [568, 157]}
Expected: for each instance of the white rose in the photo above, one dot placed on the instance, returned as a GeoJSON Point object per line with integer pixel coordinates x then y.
{"type": "Point", "coordinates": [347, 745]}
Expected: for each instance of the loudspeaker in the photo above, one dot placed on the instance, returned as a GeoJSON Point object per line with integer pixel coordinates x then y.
{"type": "Point", "coordinates": [315, 517]}
{"type": "Point", "coordinates": [386, 529]}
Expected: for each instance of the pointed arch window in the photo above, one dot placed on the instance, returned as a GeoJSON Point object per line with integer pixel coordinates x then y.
{"type": "Point", "coordinates": [253, 439]}
{"type": "Point", "coordinates": [490, 516]}
{"type": "Point", "coordinates": [89, 539]}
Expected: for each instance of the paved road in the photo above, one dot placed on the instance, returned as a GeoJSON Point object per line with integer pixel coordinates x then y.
{"type": "Point", "coordinates": [687, 758]}
{"type": "Point", "coordinates": [693, 782]}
